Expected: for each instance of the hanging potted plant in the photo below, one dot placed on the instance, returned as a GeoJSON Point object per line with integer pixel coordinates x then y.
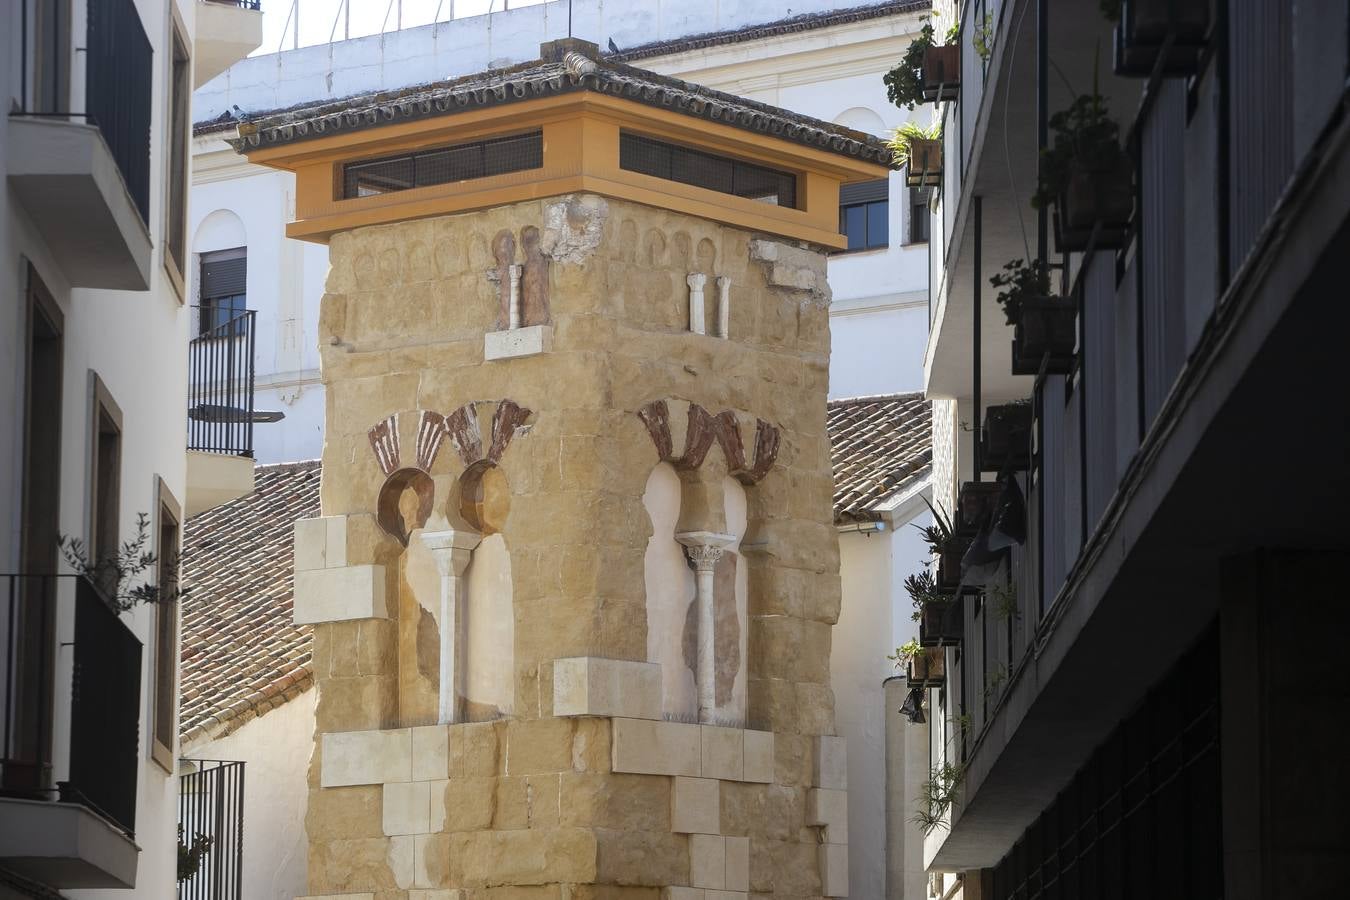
{"type": "Point", "coordinates": [928, 72]}
{"type": "Point", "coordinates": [947, 547]}
{"type": "Point", "coordinates": [1005, 441]}
{"type": "Point", "coordinates": [1143, 26]}
{"type": "Point", "coordinates": [919, 151]}
{"type": "Point", "coordinates": [927, 667]}
{"type": "Point", "coordinates": [930, 602]}
{"type": "Point", "coordinates": [975, 505]}
{"type": "Point", "coordinates": [1087, 176]}
{"type": "Point", "coordinates": [941, 624]}
{"type": "Point", "coordinates": [1043, 325]}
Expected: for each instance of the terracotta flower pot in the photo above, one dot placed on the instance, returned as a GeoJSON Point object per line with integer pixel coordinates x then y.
{"type": "Point", "coordinates": [941, 73]}
{"type": "Point", "coordinates": [925, 163]}
{"type": "Point", "coordinates": [927, 668]}
{"type": "Point", "coordinates": [1045, 328]}
{"type": "Point", "coordinates": [940, 624]}
{"type": "Point", "coordinates": [1100, 196]}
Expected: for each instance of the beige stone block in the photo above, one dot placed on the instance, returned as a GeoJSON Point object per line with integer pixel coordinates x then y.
{"type": "Point", "coordinates": [830, 768]}
{"type": "Point", "coordinates": [828, 808]}
{"type": "Point", "coordinates": [470, 803]}
{"type": "Point", "coordinates": [758, 757]}
{"type": "Point", "coordinates": [528, 856]}
{"type": "Point", "coordinates": [723, 752]}
{"type": "Point", "coordinates": [833, 870]}
{"type": "Point", "coordinates": [738, 864]}
{"type": "Point", "coordinates": [683, 893]}
{"type": "Point", "coordinates": [367, 895]}
{"type": "Point", "coordinates": [707, 861]}
{"type": "Point", "coordinates": [532, 340]}
{"type": "Point", "coordinates": [402, 856]}
{"type": "Point", "coordinates": [407, 808]}
{"type": "Point", "coordinates": [436, 804]}
{"type": "Point", "coordinates": [592, 686]}
{"type": "Point", "coordinates": [646, 747]}
{"type": "Point", "coordinates": [366, 757]}
{"type": "Point", "coordinates": [430, 858]}
{"type": "Point", "coordinates": [438, 894]}
{"type": "Point", "coordinates": [340, 594]}
{"type": "Point", "coordinates": [696, 806]}
{"type": "Point", "coordinates": [430, 752]}
{"type": "Point", "coordinates": [647, 858]}
{"type": "Point", "coordinates": [481, 748]}
{"type": "Point", "coordinates": [726, 895]}
{"type": "Point", "coordinates": [538, 745]}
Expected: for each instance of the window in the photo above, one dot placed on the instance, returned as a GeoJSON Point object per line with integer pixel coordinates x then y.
{"type": "Point", "coordinates": [864, 214]}
{"type": "Point", "coordinates": [224, 295]}
{"type": "Point", "coordinates": [918, 214]}
{"type": "Point", "coordinates": [180, 127]}
{"type": "Point", "coordinates": [166, 631]}
{"type": "Point", "coordinates": [105, 477]}
{"type": "Point", "coordinates": [443, 165]}
{"type": "Point", "coordinates": [706, 170]}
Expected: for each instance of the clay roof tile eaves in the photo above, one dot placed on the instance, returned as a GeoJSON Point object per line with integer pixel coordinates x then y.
{"type": "Point", "coordinates": [880, 446]}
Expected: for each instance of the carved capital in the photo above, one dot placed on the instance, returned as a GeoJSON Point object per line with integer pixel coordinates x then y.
{"type": "Point", "coordinates": [704, 548]}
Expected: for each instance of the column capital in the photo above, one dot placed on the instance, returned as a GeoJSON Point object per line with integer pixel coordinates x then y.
{"type": "Point", "coordinates": [451, 548]}
{"type": "Point", "coordinates": [704, 548]}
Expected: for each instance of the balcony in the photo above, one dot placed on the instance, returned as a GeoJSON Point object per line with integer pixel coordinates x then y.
{"type": "Point", "coordinates": [84, 178]}
{"type": "Point", "coordinates": [77, 832]}
{"type": "Point", "coordinates": [227, 31]}
{"type": "Point", "coordinates": [220, 413]}
{"type": "Point", "coordinates": [211, 816]}
{"type": "Point", "coordinates": [1202, 336]}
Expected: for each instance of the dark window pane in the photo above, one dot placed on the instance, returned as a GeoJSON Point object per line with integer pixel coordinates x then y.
{"type": "Point", "coordinates": [918, 223]}
{"type": "Point", "coordinates": [855, 226]}
{"type": "Point", "coordinates": [706, 170]}
{"type": "Point", "coordinates": [445, 165]}
{"type": "Point", "coordinates": [878, 228]}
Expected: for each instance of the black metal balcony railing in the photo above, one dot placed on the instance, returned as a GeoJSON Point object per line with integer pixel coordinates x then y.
{"type": "Point", "coordinates": [105, 698]}
{"type": "Point", "coordinates": [119, 68]}
{"type": "Point", "coordinates": [242, 4]}
{"type": "Point", "coordinates": [211, 818]}
{"type": "Point", "coordinates": [220, 386]}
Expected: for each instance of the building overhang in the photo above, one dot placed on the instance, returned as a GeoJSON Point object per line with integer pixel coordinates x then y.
{"type": "Point", "coordinates": [65, 177]}
{"type": "Point", "coordinates": [216, 478]}
{"type": "Point", "coordinates": [64, 845]}
{"type": "Point", "coordinates": [580, 154]}
{"type": "Point", "coordinates": [227, 31]}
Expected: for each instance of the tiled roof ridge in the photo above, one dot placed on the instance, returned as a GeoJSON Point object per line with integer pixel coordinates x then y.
{"type": "Point", "coordinates": [243, 710]}
{"type": "Point", "coordinates": [881, 445]}
{"type": "Point", "coordinates": [790, 25]}
{"type": "Point", "coordinates": [542, 78]}
{"type": "Point", "coordinates": [877, 398]}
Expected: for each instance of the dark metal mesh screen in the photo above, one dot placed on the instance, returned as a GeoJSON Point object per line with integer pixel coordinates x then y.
{"type": "Point", "coordinates": [443, 165]}
{"type": "Point", "coordinates": [706, 170]}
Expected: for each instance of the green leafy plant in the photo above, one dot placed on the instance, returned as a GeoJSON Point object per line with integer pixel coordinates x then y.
{"type": "Point", "coordinates": [923, 591]}
{"type": "Point", "coordinates": [904, 653]}
{"type": "Point", "coordinates": [190, 854]}
{"type": "Point", "coordinates": [1004, 598]}
{"type": "Point", "coordinates": [1085, 136]}
{"type": "Point", "coordinates": [904, 83]}
{"type": "Point", "coordinates": [983, 38]}
{"type": "Point", "coordinates": [993, 681]}
{"type": "Point", "coordinates": [901, 139]}
{"type": "Point", "coordinates": [114, 572]}
{"type": "Point", "coordinates": [937, 795]}
{"type": "Point", "coordinates": [1019, 280]}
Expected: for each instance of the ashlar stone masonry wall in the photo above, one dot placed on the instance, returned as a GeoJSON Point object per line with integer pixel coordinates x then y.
{"type": "Point", "coordinates": [562, 780]}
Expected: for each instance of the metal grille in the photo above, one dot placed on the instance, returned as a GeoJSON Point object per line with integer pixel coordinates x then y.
{"type": "Point", "coordinates": [211, 816]}
{"type": "Point", "coordinates": [1142, 819]}
{"type": "Point", "coordinates": [706, 170]}
{"type": "Point", "coordinates": [443, 165]}
{"type": "Point", "coordinates": [220, 379]}
{"type": "Point", "coordinates": [119, 69]}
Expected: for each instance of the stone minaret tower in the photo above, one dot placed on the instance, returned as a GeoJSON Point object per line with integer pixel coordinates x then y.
{"type": "Point", "coordinates": [573, 587]}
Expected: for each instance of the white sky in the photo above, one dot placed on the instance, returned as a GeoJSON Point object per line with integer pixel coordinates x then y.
{"type": "Point", "coordinates": [318, 18]}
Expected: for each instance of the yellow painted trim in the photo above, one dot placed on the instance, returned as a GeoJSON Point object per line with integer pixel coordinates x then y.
{"type": "Point", "coordinates": [581, 153]}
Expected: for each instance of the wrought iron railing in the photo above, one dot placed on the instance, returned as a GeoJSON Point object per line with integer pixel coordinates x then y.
{"type": "Point", "coordinates": [242, 4]}
{"type": "Point", "coordinates": [119, 68]}
{"type": "Point", "coordinates": [220, 386]}
{"type": "Point", "coordinates": [211, 826]}
{"type": "Point", "coordinates": [28, 620]}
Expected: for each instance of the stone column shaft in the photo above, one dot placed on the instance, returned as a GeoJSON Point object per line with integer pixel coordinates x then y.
{"type": "Point", "coordinates": [723, 306]}
{"type": "Point", "coordinates": [452, 550]}
{"type": "Point", "coordinates": [696, 282]}
{"type": "Point", "coordinates": [514, 310]}
{"type": "Point", "coordinates": [704, 549]}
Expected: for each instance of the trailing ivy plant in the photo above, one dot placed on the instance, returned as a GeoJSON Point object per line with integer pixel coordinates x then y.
{"type": "Point", "coordinates": [902, 138]}
{"type": "Point", "coordinates": [923, 591]}
{"type": "Point", "coordinates": [905, 652]}
{"type": "Point", "coordinates": [1019, 280]}
{"type": "Point", "coordinates": [904, 83]}
{"type": "Point", "coordinates": [983, 38]}
{"type": "Point", "coordinates": [114, 572]}
{"type": "Point", "coordinates": [937, 795]}
{"type": "Point", "coordinates": [190, 854]}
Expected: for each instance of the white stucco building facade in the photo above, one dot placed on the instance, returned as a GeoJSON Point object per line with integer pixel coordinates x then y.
{"type": "Point", "coordinates": [827, 63]}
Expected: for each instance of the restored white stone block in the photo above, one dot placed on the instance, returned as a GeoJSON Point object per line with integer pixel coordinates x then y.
{"type": "Point", "coordinates": [430, 752]}
{"type": "Point", "coordinates": [320, 543]}
{"type": "Point", "coordinates": [707, 861]}
{"type": "Point", "coordinates": [723, 753]}
{"type": "Point", "coordinates": [365, 895]}
{"type": "Point", "coordinates": [421, 877]}
{"type": "Point", "coordinates": [407, 808]}
{"type": "Point", "coordinates": [439, 894]}
{"type": "Point", "coordinates": [340, 594]}
{"type": "Point", "coordinates": [831, 763]}
{"type": "Point", "coordinates": [335, 550]}
{"type": "Point", "coordinates": [591, 686]}
{"type": "Point", "coordinates": [738, 863]}
{"type": "Point", "coordinates": [366, 757]}
{"type": "Point", "coordinates": [436, 813]}
{"type": "Point", "coordinates": [833, 869]}
{"type": "Point", "coordinates": [726, 895]}
{"type": "Point", "coordinates": [683, 893]}
{"type": "Point", "coordinates": [645, 747]}
{"type": "Point", "coordinates": [696, 806]}
{"type": "Point", "coordinates": [828, 808]}
{"type": "Point", "coordinates": [529, 341]}
{"type": "Point", "coordinates": [401, 858]}
{"type": "Point", "coordinates": [759, 765]}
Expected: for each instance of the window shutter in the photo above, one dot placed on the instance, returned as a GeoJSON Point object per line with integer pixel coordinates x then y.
{"type": "Point", "coordinates": [864, 192]}
{"type": "Point", "coordinates": [223, 277]}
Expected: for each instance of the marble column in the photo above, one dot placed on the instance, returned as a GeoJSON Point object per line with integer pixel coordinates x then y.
{"type": "Point", "coordinates": [723, 306]}
{"type": "Point", "coordinates": [696, 321]}
{"type": "Point", "coordinates": [452, 551]}
{"type": "Point", "coordinates": [704, 549]}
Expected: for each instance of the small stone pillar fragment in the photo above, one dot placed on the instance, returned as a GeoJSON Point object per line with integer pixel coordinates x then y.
{"type": "Point", "coordinates": [452, 551]}
{"type": "Point", "coordinates": [696, 311]}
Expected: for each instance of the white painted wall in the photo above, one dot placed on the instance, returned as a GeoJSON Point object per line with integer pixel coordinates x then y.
{"type": "Point", "coordinates": [275, 749]}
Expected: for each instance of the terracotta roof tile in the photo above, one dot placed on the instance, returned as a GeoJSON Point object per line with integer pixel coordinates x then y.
{"type": "Point", "coordinates": [879, 447]}
{"type": "Point", "coordinates": [241, 655]}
